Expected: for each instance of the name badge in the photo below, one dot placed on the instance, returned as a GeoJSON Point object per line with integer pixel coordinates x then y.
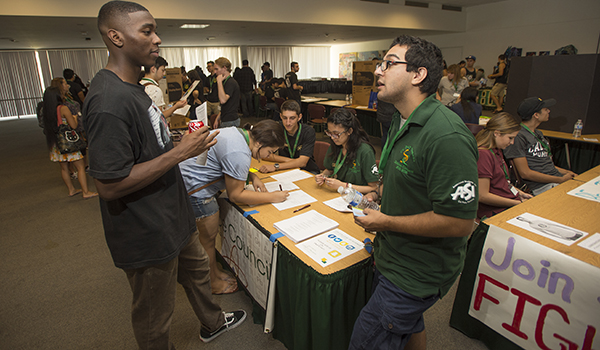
{"type": "Point", "coordinates": [514, 190]}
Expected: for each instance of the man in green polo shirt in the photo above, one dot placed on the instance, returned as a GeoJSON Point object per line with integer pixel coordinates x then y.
{"type": "Point", "coordinates": [428, 200]}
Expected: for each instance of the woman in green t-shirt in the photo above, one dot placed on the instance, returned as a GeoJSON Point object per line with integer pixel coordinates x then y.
{"type": "Point", "coordinates": [350, 159]}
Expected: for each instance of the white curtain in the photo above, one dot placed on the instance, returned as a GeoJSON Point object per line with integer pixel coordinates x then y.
{"type": "Point", "coordinates": [278, 56]}
{"type": "Point", "coordinates": [191, 57]}
{"type": "Point", "coordinates": [20, 85]}
{"type": "Point", "coordinates": [85, 63]}
{"type": "Point", "coordinates": [313, 61]}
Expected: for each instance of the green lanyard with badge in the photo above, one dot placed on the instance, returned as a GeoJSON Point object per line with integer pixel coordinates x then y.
{"type": "Point", "coordinates": [338, 164]}
{"type": "Point", "coordinates": [293, 150]}
{"type": "Point", "coordinates": [510, 186]}
{"type": "Point", "coordinates": [245, 133]}
{"type": "Point", "coordinates": [544, 144]}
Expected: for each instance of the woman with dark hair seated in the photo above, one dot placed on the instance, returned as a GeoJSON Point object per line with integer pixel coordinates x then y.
{"type": "Point", "coordinates": [467, 107]}
{"type": "Point", "coordinates": [228, 167]}
{"type": "Point", "coordinates": [495, 191]}
{"type": "Point", "coordinates": [350, 159]}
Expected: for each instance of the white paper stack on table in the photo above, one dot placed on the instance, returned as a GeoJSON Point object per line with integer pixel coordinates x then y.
{"type": "Point", "coordinates": [307, 225]}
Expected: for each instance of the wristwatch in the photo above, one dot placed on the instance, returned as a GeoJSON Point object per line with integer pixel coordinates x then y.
{"type": "Point", "coordinates": [276, 166]}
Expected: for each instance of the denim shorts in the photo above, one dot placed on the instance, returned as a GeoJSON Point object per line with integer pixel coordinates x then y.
{"type": "Point", "coordinates": [390, 317]}
{"type": "Point", "coordinates": [204, 207]}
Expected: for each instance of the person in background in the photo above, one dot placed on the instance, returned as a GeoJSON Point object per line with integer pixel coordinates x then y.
{"type": "Point", "coordinates": [428, 200]}
{"type": "Point", "coordinates": [213, 105]}
{"type": "Point", "coordinates": [499, 88]}
{"type": "Point", "coordinates": [266, 75]}
{"type": "Point", "coordinates": [247, 81]}
{"type": "Point", "coordinates": [470, 72]}
{"type": "Point", "coordinates": [350, 159]}
{"type": "Point", "coordinates": [299, 143]}
{"type": "Point", "coordinates": [55, 113]}
{"type": "Point", "coordinates": [229, 94]}
{"type": "Point", "coordinates": [196, 98]}
{"type": "Point", "coordinates": [185, 81]}
{"type": "Point", "coordinates": [495, 191]}
{"type": "Point", "coordinates": [291, 82]}
{"type": "Point", "coordinates": [153, 74]}
{"type": "Point", "coordinates": [445, 71]}
{"type": "Point", "coordinates": [385, 111]}
{"type": "Point", "coordinates": [227, 168]}
{"type": "Point", "coordinates": [531, 151]}
{"type": "Point", "coordinates": [275, 89]}
{"type": "Point", "coordinates": [467, 107]}
{"type": "Point", "coordinates": [148, 219]}
{"type": "Point", "coordinates": [451, 86]}
{"type": "Point", "coordinates": [75, 88]}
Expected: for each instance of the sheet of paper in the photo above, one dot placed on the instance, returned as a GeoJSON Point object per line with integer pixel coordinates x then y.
{"type": "Point", "coordinates": [338, 204]}
{"type": "Point", "coordinates": [201, 113]}
{"type": "Point", "coordinates": [586, 139]}
{"type": "Point", "coordinates": [292, 176]}
{"type": "Point", "coordinates": [592, 243]}
{"type": "Point", "coordinates": [285, 186]}
{"type": "Point", "coordinates": [189, 91]}
{"type": "Point", "coordinates": [306, 225]}
{"type": "Point", "coordinates": [549, 229]}
{"type": "Point", "coordinates": [183, 110]}
{"type": "Point", "coordinates": [589, 190]}
{"type": "Point", "coordinates": [295, 199]}
{"type": "Point", "coordinates": [330, 247]}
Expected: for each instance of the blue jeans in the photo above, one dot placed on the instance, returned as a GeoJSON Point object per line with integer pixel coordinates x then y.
{"type": "Point", "coordinates": [390, 317]}
{"type": "Point", "coordinates": [204, 207]}
{"type": "Point", "coordinates": [235, 123]}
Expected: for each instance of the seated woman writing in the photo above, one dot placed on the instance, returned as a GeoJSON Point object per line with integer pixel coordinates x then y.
{"type": "Point", "coordinates": [227, 167]}
{"type": "Point", "coordinates": [350, 159]}
{"type": "Point", "coordinates": [495, 191]}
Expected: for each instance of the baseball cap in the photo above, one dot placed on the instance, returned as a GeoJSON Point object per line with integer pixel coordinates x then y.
{"type": "Point", "coordinates": [471, 57]}
{"type": "Point", "coordinates": [531, 105]}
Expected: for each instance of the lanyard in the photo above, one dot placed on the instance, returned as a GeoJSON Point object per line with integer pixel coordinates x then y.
{"type": "Point", "coordinates": [385, 153]}
{"type": "Point", "coordinates": [150, 80]}
{"type": "Point", "coordinates": [245, 133]}
{"type": "Point", "coordinates": [503, 166]}
{"type": "Point", "coordinates": [292, 151]}
{"type": "Point", "coordinates": [537, 138]}
{"type": "Point", "coordinates": [338, 164]}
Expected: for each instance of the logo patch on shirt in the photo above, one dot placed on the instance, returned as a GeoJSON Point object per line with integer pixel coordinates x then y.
{"type": "Point", "coordinates": [402, 164]}
{"type": "Point", "coordinates": [464, 192]}
{"type": "Point", "coordinates": [374, 169]}
{"type": "Point", "coordinates": [538, 150]}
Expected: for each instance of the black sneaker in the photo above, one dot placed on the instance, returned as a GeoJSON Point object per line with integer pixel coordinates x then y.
{"type": "Point", "coordinates": [232, 320]}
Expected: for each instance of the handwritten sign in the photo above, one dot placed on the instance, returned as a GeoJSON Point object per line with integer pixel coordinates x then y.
{"type": "Point", "coordinates": [535, 296]}
{"type": "Point", "coordinates": [589, 190]}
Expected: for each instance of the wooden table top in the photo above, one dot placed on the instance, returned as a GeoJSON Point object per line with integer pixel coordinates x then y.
{"type": "Point", "coordinates": [343, 103]}
{"type": "Point", "coordinates": [268, 215]}
{"type": "Point", "coordinates": [558, 206]}
{"type": "Point", "coordinates": [568, 136]}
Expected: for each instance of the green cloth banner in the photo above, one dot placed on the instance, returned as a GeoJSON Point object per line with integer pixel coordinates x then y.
{"type": "Point", "coordinates": [314, 311]}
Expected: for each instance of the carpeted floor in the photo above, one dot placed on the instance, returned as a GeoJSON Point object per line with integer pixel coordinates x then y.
{"type": "Point", "coordinates": [59, 288]}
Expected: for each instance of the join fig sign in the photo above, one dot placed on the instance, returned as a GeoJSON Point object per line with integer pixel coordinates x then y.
{"type": "Point", "coordinates": [535, 296]}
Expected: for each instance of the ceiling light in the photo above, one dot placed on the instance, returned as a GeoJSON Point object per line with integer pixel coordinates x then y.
{"type": "Point", "coordinates": [194, 26]}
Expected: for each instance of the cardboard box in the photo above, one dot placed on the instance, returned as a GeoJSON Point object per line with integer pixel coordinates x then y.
{"type": "Point", "coordinates": [178, 121]}
{"type": "Point", "coordinates": [363, 81]}
{"type": "Point", "coordinates": [174, 84]}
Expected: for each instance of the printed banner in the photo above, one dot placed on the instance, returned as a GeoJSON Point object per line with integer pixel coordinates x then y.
{"type": "Point", "coordinates": [247, 251]}
{"type": "Point", "coordinates": [535, 296]}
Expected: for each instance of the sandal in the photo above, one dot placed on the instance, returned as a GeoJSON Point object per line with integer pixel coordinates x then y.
{"type": "Point", "coordinates": [231, 288]}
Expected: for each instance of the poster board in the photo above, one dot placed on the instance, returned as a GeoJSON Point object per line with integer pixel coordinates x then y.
{"type": "Point", "coordinates": [363, 81]}
{"type": "Point", "coordinates": [174, 84]}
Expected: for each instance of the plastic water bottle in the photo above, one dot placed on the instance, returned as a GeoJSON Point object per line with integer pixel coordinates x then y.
{"type": "Point", "coordinates": [350, 99]}
{"type": "Point", "coordinates": [347, 98]}
{"type": "Point", "coordinates": [577, 129]}
{"type": "Point", "coordinates": [356, 199]}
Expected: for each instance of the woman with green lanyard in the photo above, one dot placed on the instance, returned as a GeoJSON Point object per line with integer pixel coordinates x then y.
{"type": "Point", "coordinates": [350, 159]}
{"type": "Point", "coordinates": [495, 191]}
{"type": "Point", "coordinates": [451, 86]}
{"type": "Point", "coordinates": [227, 167]}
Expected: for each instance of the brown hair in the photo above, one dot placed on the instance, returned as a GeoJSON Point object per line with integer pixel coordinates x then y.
{"type": "Point", "coordinates": [57, 83]}
{"type": "Point", "coordinates": [455, 69]}
{"type": "Point", "coordinates": [503, 122]}
{"type": "Point", "coordinates": [291, 105]}
{"type": "Point", "coordinates": [223, 62]}
{"type": "Point", "coordinates": [268, 133]}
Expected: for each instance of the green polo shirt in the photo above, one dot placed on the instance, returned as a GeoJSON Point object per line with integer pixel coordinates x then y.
{"type": "Point", "coordinates": [359, 171]}
{"type": "Point", "coordinates": [431, 167]}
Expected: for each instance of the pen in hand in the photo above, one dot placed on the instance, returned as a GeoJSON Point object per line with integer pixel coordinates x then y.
{"type": "Point", "coordinates": [280, 188]}
{"type": "Point", "coordinates": [304, 207]}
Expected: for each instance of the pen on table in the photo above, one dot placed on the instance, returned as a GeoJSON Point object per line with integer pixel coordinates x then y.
{"type": "Point", "coordinates": [304, 207]}
{"type": "Point", "coordinates": [280, 188]}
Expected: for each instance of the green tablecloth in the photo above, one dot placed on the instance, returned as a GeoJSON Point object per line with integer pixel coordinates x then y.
{"type": "Point", "coordinates": [314, 311]}
{"type": "Point", "coordinates": [460, 318]}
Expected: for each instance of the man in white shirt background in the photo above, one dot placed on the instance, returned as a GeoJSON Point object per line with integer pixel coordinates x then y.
{"type": "Point", "coordinates": [153, 74]}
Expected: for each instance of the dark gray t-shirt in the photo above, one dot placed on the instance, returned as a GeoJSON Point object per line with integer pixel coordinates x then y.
{"type": "Point", "coordinates": [538, 159]}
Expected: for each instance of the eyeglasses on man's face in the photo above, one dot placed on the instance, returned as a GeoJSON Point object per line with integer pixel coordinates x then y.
{"type": "Point", "coordinates": [334, 134]}
{"type": "Point", "coordinates": [385, 64]}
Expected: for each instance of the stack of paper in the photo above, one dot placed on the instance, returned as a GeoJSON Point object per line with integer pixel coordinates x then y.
{"type": "Point", "coordinates": [304, 226]}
